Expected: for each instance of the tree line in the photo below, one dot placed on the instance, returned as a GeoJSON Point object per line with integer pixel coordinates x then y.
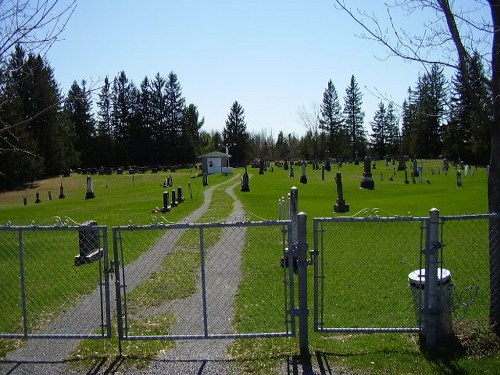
{"type": "Point", "coordinates": [152, 124]}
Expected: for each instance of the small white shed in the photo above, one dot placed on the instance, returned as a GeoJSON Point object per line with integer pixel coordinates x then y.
{"type": "Point", "coordinates": [214, 162]}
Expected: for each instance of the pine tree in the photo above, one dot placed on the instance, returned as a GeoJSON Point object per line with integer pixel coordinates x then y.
{"type": "Point", "coordinates": [393, 134]}
{"type": "Point", "coordinates": [466, 135]}
{"type": "Point", "coordinates": [379, 131]}
{"type": "Point", "coordinates": [174, 110]}
{"type": "Point", "coordinates": [429, 110]}
{"type": "Point", "coordinates": [78, 106]}
{"type": "Point", "coordinates": [121, 104]}
{"type": "Point", "coordinates": [235, 134]}
{"type": "Point", "coordinates": [158, 124]}
{"type": "Point", "coordinates": [353, 117]}
{"type": "Point", "coordinates": [331, 121]}
{"type": "Point", "coordinates": [191, 126]}
{"type": "Point", "coordinates": [104, 141]}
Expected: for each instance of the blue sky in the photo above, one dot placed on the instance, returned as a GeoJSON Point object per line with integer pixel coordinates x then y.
{"type": "Point", "coordinates": [273, 57]}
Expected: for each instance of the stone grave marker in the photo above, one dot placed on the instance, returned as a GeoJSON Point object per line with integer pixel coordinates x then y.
{"type": "Point", "coordinates": [88, 243]}
{"type": "Point", "coordinates": [340, 206]}
{"type": "Point", "coordinates": [367, 179]}
{"type": "Point", "coordinates": [303, 177]}
{"type": "Point", "coordinates": [90, 189]}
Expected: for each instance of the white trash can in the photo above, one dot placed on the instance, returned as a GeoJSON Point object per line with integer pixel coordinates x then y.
{"type": "Point", "coordinates": [444, 298]}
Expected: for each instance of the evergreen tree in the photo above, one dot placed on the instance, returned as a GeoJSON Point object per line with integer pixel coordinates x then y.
{"type": "Point", "coordinates": [78, 106]}
{"type": "Point", "coordinates": [174, 110]}
{"type": "Point", "coordinates": [104, 141]}
{"type": "Point", "coordinates": [235, 134]}
{"type": "Point", "coordinates": [190, 138]}
{"type": "Point", "coordinates": [158, 125]}
{"type": "Point", "coordinates": [429, 111]}
{"type": "Point", "coordinates": [353, 117]}
{"type": "Point", "coordinates": [31, 112]}
{"type": "Point", "coordinates": [122, 102]}
{"type": "Point", "coordinates": [466, 135]}
{"type": "Point", "coordinates": [331, 121]}
{"type": "Point", "coordinates": [393, 134]}
{"type": "Point", "coordinates": [379, 132]}
{"type": "Point", "coordinates": [282, 149]}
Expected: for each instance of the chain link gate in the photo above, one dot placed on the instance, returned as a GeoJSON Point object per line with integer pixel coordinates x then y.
{"type": "Point", "coordinates": [203, 281]}
{"type": "Point", "coordinates": [361, 268]}
{"type": "Point", "coordinates": [55, 281]}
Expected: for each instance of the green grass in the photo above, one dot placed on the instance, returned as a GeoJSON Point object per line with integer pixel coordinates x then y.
{"type": "Point", "coordinates": [176, 279]}
{"type": "Point", "coordinates": [356, 273]}
{"type": "Point", "coordinates": [128, 198]}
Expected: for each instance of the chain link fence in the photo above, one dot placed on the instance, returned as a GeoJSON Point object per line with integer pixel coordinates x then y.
{"type": "Point", "coordinates": [465, 253]}
{"type": "Point", "coordinates": [361, 273]}
{"type": "Point", "coordinates": [191, 281]}
{"type": "Point", "coordinates": [53, 281]}
{"type": "Point", "coordinates": [363, 266]}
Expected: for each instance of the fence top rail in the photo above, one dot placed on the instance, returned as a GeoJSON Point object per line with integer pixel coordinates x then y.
{"type": "Point", "coordinates": [369, 219]}
{"type": "Point", "coordinates": [163, 226]}
{"type": "Point", "coordinates": [492, 215]}
{"type": "Point", "coordinates": [55, 223]}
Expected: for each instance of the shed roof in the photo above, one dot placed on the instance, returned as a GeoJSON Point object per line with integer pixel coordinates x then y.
{"type": "Point", "coordinates": [215, 154]}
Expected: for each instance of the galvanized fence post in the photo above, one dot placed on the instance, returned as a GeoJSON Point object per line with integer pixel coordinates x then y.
{"type": "Point", "coordinates": [431, 279]}
{"type": "Point", "coordinates": [293, 210]}
{"type": "Point", "coordinates": [303, 311]}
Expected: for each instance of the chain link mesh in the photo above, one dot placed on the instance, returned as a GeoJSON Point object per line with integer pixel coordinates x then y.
{"type": "Point", "coordinates": [363, 273]}
{"type": "Point", "coordinates": [203, 280]}
{"type": "Point", "coordinates": [465, 254]}
{"type": "Point", "coordinates": [44, 291]}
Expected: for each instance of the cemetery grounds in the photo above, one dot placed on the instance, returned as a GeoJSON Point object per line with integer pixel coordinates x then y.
{"type": "Point", "coordinates": [123, 199]}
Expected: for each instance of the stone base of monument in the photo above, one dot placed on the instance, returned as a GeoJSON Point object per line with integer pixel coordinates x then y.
{"type": "Point", "coordinates": [88, 258]}
{"type": "Point", "coordinates": [89, 195]}
{"type": "Point", "coordinates": [367, 183]}
{"type": "Point", "coordinates": [340, 207]}
{"type": "Point", "coordinates": [303, 179]}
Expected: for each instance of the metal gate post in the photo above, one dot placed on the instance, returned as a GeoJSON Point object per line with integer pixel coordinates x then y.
{"type": "Point", "coordinates": [293, 210]}
{"type": "Point", "coordinates": [431, 279]}
{"type": "Point", "coordinates": [303, 311]}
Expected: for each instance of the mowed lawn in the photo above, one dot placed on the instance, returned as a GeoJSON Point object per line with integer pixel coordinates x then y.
{"type": "Point", "coordinates": [121, 199]}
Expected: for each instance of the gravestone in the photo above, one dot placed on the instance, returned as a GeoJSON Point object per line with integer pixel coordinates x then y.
{"type": "Point", "coordinates": [190, 190]}
{"type": "Point", "coordinates": [415, 168]}
{"type": "Point", "coordinates": [402, 163]}
{"type": "Point", "coordinates": [340, 206]}
{"type": "Point", "coordinates": [406, 177]}
{"type": "Point", "coordinates": [37, 199]}
{"type": "Point", "coordinates": [61, 192]}
{"type": "Point", "coordinates": [303, 177]}
{"type": "Point", "coordinates": [261, 166]}
{"type": "Point", "coordinates": [367, 179]}
{"type": "Point", "coordinates": [205, 179]}
{"type": "Point", "coordinates": [88, 243]}
{"type": "Point", "coordinates": [245, 186]}
{"type": "Point", "coordinates": [174, 199]}
{"type": "Point", "coordinates": [459, 178]}
{"type": "Point", "coordinates": [166, 204]}
{"type": "Point", "coordinates": [285, 165]}
{"type": "Point", "coordinates": [25, 201]}
{"type": "Point", "coordinates": [180, 198]}
{"type": "Point", "coordinates": [291, 174]}
{"type": "Point", "coordinates": [50, 195]}
{"type": "Point", "coordinates": [90, 189]}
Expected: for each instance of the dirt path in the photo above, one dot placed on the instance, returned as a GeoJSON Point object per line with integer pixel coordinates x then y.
{"type": "Point", "coordinates": [50, 356]}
